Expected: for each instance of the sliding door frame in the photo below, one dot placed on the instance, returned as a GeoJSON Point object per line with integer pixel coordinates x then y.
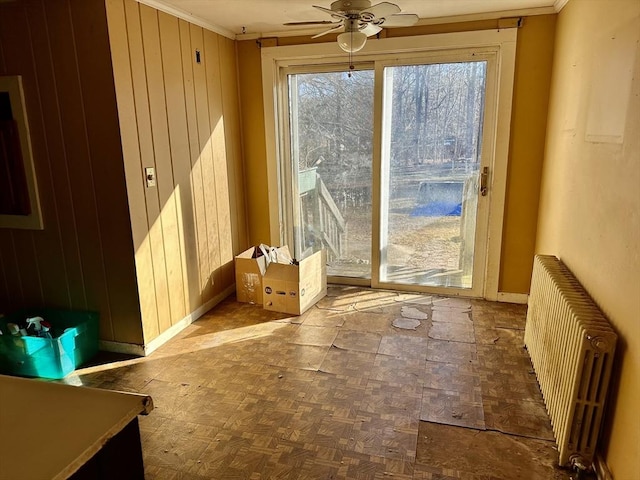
{"type": "Point", "coordinates": [501, 44]}
{"type": "Point", "coordinates": [382, 139]}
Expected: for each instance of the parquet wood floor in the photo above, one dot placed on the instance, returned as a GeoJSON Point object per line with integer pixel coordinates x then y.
{"type": "Point", "coordinates": [340, 393]}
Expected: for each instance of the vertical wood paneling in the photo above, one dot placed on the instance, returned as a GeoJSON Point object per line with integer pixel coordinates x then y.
{"type": "Point", "coordinates": [164, 170]}
{"type": "Point", "coordinates": [202, 171]}
{"type": "Point", "coordinates": [4, 287]}
{"type": "Point", "coordinates": [132, 166]}
{"type": "Point", "coordinates": [62, 230]}
{"type": "Point", "coordinates": [83, 257]}
{"type": "Point", "coordinates": [147, 157]}
{"type": "Point", "coordinates": [190, 70]}
{"type": "Point", "coordinates": [180, 153]}
{"type": "Point", "coordinates": [185, 232]}
{"type": "Point", "coordinates": [210, 65]}
{"type": "Point", "coordinates": [217, 123]}
{"type": "Point", "coordinates": [196, 243]}
{"type": "Point", "coordinates": [209, 59]}
{"type": "Point", "coordinates": [74, 135]}
{"type": "Point", "coordinates": [2, 64]}
{"type": "Point", "coordinates": [95, 73]}
{"type": "Point", "coordinates": [143, 257]}
{"type": "Point", "coordinates": [11, 295]}
{"type": "Point", "coordinates": [30, 270]}
{"type": "Point", "coordinates": [6, 253]}
{"type": "Point", "coordinates": [15, 31]}
{"type": "Point", "coordinates": [171, 113]}
{"type": "Point", "coordinates": [127, 116]}
{"type": "Point", "coordinates": [55, 291]}
{"type": "Point", "coordinates": [10, 264]}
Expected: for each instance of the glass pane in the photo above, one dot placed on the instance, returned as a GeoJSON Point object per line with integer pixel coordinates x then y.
{"type": "Point", "coordinates": [432, 133]}
{"type": "Point", "coordinates": [331, 122]}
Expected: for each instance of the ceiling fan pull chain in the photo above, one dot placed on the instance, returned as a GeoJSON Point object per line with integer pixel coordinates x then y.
{"type": "Point", "coordinates": [351, 67]}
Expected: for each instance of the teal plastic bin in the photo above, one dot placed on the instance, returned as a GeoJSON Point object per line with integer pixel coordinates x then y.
{"type": "Point", "coordinates": [74, 342]}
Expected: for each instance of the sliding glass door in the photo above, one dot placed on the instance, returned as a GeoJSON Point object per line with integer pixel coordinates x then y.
{"type": "Point", "coordinates": [331, 150]}
{"type": "Point", "coordinates": [431, 169]}
{"type": "Point", "coordinates": [389, 167]}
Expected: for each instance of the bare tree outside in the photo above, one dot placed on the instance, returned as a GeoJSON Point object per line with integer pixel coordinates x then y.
{"type": "Point", "coordinates": [333, 149]}
{"type": "Point", "coordinates": [433, 119]}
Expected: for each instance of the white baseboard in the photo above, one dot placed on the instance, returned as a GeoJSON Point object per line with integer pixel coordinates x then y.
{"type": "Point", "coordinates": [521, 298]}
{"type": "Point", "coordinates": [119, 347]}
{"type": "Point", "coordinates": [176, 328]}
{"type": "Point", "coordinates": [601, 469]}
{"type": "Point", "coordinates": [164, 337]}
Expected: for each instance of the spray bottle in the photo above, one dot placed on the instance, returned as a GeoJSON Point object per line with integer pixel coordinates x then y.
{"type": "Point", "coordinates": [36, 323]}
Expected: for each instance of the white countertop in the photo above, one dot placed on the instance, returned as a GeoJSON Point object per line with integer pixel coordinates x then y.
{"type": "Point", "coordinates": [49, 430]}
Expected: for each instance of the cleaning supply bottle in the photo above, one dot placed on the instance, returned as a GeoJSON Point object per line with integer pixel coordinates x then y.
{"type": "Point", "coordinates": [36, 323]}
{"type": "Point", "coordinates": [15, 330]}
{"type": "Point", "coordinates": [45, 332]}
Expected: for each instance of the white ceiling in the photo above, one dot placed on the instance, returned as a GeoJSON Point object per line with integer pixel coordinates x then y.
{"type": "Point", "coordinates": [263, 17]}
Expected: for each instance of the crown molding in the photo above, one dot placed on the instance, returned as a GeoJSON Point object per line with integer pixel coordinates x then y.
{"type": "Point", "coordinates": [184, 15]}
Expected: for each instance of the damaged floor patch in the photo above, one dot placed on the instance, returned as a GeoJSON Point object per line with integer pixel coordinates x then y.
{"type": "Point", "coordinates": [406, 323]}
{"type": "Point", "coordinates": [411, 312]}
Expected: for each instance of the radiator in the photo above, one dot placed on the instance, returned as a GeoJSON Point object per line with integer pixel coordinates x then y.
{"type": "Point", "coordinates": [571, 345]}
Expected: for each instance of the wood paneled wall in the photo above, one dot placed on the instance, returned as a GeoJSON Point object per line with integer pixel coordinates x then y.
{"type": "Point", "coordinates": [110, 91]}
{"type": "Point", "coordinates": [180, 117]}
{"type": "Point", "coordinates": [84, 257]}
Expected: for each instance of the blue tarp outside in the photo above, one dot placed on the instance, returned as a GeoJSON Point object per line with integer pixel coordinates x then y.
{"type": "Point", "coordinates": [438, 209]}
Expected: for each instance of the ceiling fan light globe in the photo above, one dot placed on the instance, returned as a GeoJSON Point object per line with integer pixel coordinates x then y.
{"type": "Point", "coordinates": [352, 42]}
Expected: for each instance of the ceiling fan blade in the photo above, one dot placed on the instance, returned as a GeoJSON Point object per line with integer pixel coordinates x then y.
{"type": "Point", "coordinates": [402, 20]}
{"type": "Point", "coordinates": [330, 12]}
{"type": "Point", "coordinates": [380, 10]}
{"type": "Point", "coordinates": [369, 29]}
{"type": "Point", "coordinates": [310, 22]}
{"type": "Point", "coordinates": [328, 31]}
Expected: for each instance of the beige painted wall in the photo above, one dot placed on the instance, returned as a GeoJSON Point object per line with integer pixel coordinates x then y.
{"type": "Point", "coordinates": [181, 118]}
{"type": "Point", "coordinates": [531, 92]}
{"type": "Point", "coordinates": [83, 259]}
{"type": "Point", "coordinates": [254, 142]}
{"type": "Point", "coordinates": [590, 198]}
{"type": "Point", "coordinates": [534, 58]}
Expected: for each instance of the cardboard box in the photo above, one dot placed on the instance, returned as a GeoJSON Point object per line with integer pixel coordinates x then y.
{"type": "Point", "coordinates": [293, 289]}
{"type": "Point", "coordinates": [249, 272]}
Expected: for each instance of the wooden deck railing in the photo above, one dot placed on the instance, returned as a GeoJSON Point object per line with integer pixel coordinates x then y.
{"type": "Point", "coordinates": [320, 216]}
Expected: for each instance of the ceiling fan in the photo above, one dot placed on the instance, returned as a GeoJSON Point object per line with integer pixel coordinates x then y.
{"type": "Point", "coordinates": [359, 19]}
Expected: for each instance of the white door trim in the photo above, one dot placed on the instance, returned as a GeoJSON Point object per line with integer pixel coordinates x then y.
{"type": "Point", "coordinates": [504, 40]}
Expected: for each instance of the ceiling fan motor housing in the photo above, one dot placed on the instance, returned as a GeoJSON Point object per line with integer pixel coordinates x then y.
{"type": "Point", "coordinates": [350, 6]}
{"type": "Point", "coordinates": [361, 20]}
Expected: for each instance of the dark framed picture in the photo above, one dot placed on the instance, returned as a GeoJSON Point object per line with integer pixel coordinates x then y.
{"type": "Point", "coordinates": [19, 201]}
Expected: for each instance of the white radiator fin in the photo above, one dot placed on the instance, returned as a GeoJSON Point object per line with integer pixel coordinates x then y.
{"type": "Point", "coordinates": [571, 345]}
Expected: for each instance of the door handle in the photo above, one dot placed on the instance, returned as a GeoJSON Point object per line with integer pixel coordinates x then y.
{"type": "Point", "coordinates": [484, 177]}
